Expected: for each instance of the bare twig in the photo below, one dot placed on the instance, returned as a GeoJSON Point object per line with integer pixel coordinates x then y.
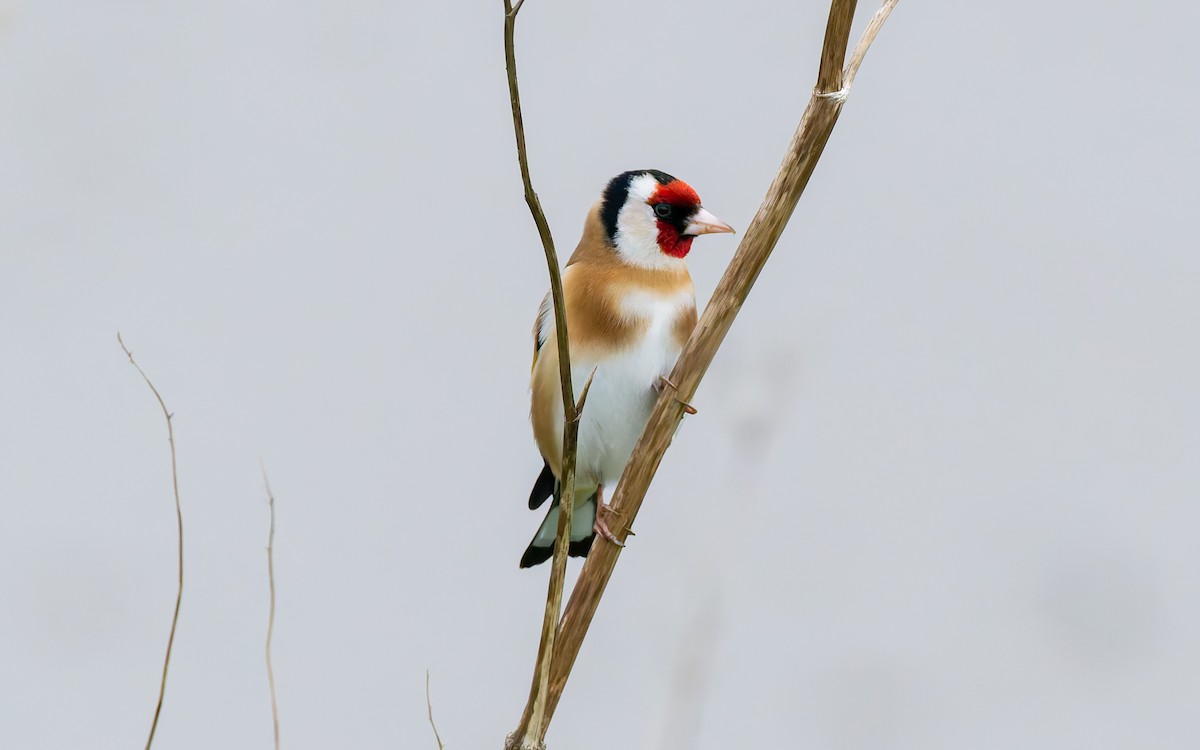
{"type": "Point", "coordinates": [587, 386]}
{"type": "Point", "coordinates": [805, 149]}
{"type": "Point", "coordinates": [864, 42]}
{"type": "Point", "coordinates": [162, 689]}
{"type": "Point", "coordinates": [833, 51]}
{"type": "Point", "coordinates": [535, 208]}
{"type": "Point", "coordinates": [429, 705]}
{"type": "Point", "coordinates": [271, 609]}
{"type": "Point", "coordinates": [532, 730]}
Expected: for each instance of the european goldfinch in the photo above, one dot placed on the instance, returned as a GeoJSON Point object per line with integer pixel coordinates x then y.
{"type": "Point", "coordinates": [630, 308]}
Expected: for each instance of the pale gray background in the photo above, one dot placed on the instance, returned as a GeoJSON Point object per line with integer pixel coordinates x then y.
{"type": "Point", "coordinates": [942, 490]}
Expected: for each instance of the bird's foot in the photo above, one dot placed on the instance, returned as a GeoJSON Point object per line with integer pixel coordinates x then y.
{"type": "Point", "coordinates": [601, 527]}
{"type": "Point", "coordinates": [665, 382]}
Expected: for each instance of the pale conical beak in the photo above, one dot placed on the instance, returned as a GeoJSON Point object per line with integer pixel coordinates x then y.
{"type": "Point", "coordinates": [704, 222]}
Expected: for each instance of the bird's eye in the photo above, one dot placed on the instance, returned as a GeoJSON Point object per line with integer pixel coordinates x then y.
{"type": "Point", "coordinates": [662, 210]}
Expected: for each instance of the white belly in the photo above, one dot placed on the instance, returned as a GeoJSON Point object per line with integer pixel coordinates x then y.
{"type": "Point", "coordinates": [622, 396]}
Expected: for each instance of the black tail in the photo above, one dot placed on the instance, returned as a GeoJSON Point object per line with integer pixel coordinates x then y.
{"type": "Point", "coordinates": [581, 534]}
{"type": "Point", "coordinates": [538, 555]}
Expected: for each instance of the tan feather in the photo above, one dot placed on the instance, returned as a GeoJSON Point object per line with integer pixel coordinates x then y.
{"type": "Point", "coordinates": [595, 281]}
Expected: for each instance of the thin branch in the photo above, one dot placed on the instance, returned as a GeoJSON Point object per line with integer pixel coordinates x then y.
{"type": "Point", "coordinates": [808, 142]}
{"type": "Point", "coordinates": [530, 737]}
{"type": "Point", "coordinates": [162, 689]}
{"type": "Point", "coordinates": [533, 727]}
{"type": "Point", "coordinates": [535, 208]}
{"type": "Point", "coordinates": [833, 51]}
{"type": "Point", "coordinates": [587, 386]}
{"type": "Point", "coordinates": [271, 609]}
{"type": "Point", "coordinates": [429, 705]}
{"type": "Point", "coordinates": [864, 43]}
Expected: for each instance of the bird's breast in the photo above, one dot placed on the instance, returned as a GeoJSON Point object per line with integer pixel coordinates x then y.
{"type": "Point", "coordinates": [629, 331]}
{"type": "Point", "coordinates": [657, 322]}
{"type": "Point", "coordinates": [622, 394]}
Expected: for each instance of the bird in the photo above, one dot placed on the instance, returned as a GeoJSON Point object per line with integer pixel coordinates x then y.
{"type": "Point", "coordinates": [630, 307]}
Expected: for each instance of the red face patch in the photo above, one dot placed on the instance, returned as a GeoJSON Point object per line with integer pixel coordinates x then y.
{"type": "Point", "coordinates": [680, 196]}
{"type": "Point", "coordinates": [672, 242]}
{"type": "Point", "coordinates": [677, 193]}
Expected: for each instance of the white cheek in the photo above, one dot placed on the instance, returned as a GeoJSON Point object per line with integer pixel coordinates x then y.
{"type": "Point", "coordinates": [637, 232]}
{"type": "Point", "coordinates": [637, 228]}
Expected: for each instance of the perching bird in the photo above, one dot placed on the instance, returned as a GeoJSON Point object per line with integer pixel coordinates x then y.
{"type": "Point", "coordinates": [630, 308]}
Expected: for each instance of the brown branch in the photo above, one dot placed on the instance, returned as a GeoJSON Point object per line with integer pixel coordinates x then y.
{"type": "Point", "coordinates": [429, 705]}
{"type": "Point", "coordinates": [833, 51]}
{"type": "Point", "coordinates": [533, 728]}
{"type": "Point", "coordinates": [587, 386]}
{"type": "Point", "coordinates": [535, 208]}
{"type": "Point", "coordinates": [805, 149]}
{"type": "Point", "coordinates": [864, 42]}
{"type": "Point", "coordinates": [271, 610]}
{"type": "Point", "coordinates": [162, 689]}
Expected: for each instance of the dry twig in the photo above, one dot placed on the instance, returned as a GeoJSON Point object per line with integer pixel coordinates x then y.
{"type": "Point", "coordinates": [162, 689]}
{"type": "Point", "coordinates": [429, 705]}
{"type": "Point", "coordinates": [808, 142]}
{"type": "Point", "coordinates": [534, 728]}
{"type": "Point", "coordinates": [271, 609]}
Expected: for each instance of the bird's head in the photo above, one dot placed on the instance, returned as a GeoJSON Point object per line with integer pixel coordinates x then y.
{"type": "Point", "coordinates": [651, 218]}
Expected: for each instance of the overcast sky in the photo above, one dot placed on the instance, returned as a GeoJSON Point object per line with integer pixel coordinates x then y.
{"type": "Point", "coordinates": [942, 491]}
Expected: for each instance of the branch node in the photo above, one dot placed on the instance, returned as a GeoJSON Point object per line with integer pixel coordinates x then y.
{"type": "Point", "coordinates": [838, 96]}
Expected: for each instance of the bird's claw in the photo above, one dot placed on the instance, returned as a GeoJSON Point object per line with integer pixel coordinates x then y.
{"type": "Point", "coordinates": [601, 528]}
{"type": "Point", "coordinates": [665, 382]}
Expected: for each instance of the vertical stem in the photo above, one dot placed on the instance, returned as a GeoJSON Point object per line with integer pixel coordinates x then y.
{"type": "Point", "coordinates": [533, 725]}
{"type": "Point", "coordinates": [837, 39]}
{"type": "Point", "coordinates": [167, 415]}
{"type": "Point", "coordinates": [429, 705]}
{"type": "Point", "coordinates": [271, 609]}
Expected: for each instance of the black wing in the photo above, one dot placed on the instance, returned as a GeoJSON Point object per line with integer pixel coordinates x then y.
{"type": "Point", "coordinates": [544, 488]}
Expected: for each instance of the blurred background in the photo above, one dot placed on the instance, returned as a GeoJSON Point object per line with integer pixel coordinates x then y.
{"type": "Point", "coordinates": [942, 489]}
